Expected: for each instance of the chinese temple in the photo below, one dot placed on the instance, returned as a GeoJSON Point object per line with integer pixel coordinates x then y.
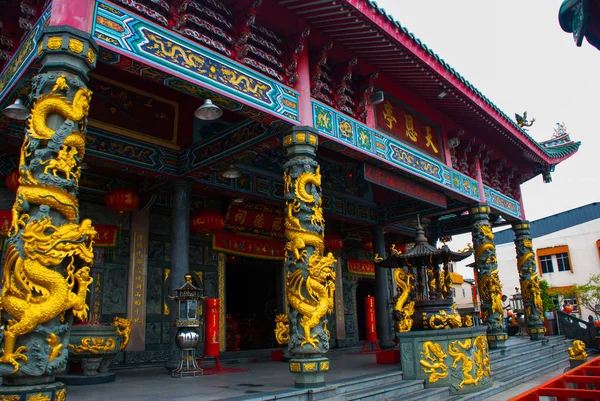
{"type": "Point", "coordinates": [274, 150]}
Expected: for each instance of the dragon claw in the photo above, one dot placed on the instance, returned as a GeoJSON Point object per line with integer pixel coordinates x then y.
{"type": "Point", "coordinates": [312, 340]}
{"type": "Point", "coordinates": [14, 357]}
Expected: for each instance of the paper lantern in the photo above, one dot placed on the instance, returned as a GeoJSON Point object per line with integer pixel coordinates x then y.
{"type": "Point", "coordinates": [122, 200]}
{"type": "Point", "coordinates": [568, 308]}
{"type": "Point", "coordinates": [12, 180]}
{"type": "Point", "coordinates": [334, 242]}
{"type": "Point", "coordinates": [366, 246]}
{"type": "Point", "coordinates": [207, 221]}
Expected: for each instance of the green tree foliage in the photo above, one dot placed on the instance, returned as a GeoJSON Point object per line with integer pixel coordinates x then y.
{"type": "Point", "coordinates": [588, 294]}
{"type": "Point", "coordinates": [546, 300]}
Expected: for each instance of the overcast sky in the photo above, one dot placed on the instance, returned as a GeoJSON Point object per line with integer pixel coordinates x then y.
{"type": "Point", "coordinates": [517, 55]}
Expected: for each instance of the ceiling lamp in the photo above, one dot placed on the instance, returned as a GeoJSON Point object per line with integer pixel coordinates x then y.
{"type": "Point", "coordinates": [231, 172]}
{"type": "Point", "coordinates": [16, 111]}
{"type": "Point", "coordinates": [442, 93]}
{"type": "Point", "coordinates": [208, 111]}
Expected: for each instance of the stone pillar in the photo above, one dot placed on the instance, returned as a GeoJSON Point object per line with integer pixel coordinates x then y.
{"type": "Point", "coordinates": [486, 264]}
{"type": "Point", "coordinates": [528, 277]}
{"type": "Point", "coordinates": [311, 276]}
{"type": "Point", "coordinates": [49, 252]}
{"type": "Point", "coordinates": [382, 292]}
{"type": "Point", "coordinates": [181, 201]}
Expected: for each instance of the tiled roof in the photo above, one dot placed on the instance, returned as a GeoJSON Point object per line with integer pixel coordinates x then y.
{"type": "Point", "coordinates": [558, 153]}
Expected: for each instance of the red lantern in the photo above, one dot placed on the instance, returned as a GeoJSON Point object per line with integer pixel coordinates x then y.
{"type": "Point", "coordinates": [12, 180]}
{"type": "Point", "coordinates": [122, 200]}
{"type": "Point", "coordinates": [366, 246]}
{"type": "Point", "coordinates": [334, 242]}
{"type": "Point", "coordinates": [569, 308]}
{"type": "Point", "coordinates": [207, 221]}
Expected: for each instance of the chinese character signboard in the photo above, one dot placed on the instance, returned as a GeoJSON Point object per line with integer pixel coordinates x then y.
{"type": "Point", "coordinates": [361, 268]}
{"type": "Point", "coordinates": [409, 127]}
{"type": "Point", "coordinates": [404, 186]}
{"type": "Point", "coordinates": [255, 218]}
{"type": "Point", "coordinates": [138, 266]}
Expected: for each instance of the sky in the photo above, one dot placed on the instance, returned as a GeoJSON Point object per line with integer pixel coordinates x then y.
{"type": "Point", "coordinates": [517, 55]}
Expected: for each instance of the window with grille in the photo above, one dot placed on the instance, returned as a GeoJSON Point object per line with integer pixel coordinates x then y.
{"type": "Point", "coordinates": [562, 261]}
{"type": "Point", "coordinates": [546, 264]}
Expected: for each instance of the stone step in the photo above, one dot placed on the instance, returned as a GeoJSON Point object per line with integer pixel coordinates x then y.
{"type": "Point", "coordinates": [518, 348]}
{"type": "Point", "coordinates": [500, 386]}
{"type": "Point", "coordinates": [359, 383]}
{"type": "Point", "coordinates": [386, 392]}
{"type": "Point", "coordinates": [500, 363]}
{"type": "Point", "coordinates": [426, 394]}
{"type": "Point", "coordinates": [507, 372]}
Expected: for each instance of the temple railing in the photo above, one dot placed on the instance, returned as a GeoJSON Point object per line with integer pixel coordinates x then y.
{"type": "Point", "coordinates": [577, 329]}
{"type": "Point", "coordinates": [581, 383]}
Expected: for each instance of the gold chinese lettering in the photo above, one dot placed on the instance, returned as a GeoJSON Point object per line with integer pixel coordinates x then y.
{"type": "Point", "coordinates": [277, 224]}
{"type": "Point", "coordinates": [259, 220]}
{"type": "Point", "coordinates": [388, 115]}
{"type": "Point", "coordinates": [410, 128]}
{"type": "Point", "coordinates": [240, 217]}
{"type": "Point", "coordinates": [429, 138]}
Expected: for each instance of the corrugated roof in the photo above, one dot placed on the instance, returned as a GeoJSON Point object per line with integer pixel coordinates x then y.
{"type": "Point", "coordinates": [556, 222]}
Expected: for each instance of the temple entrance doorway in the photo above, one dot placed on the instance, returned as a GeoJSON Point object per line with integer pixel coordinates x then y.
{"type": "Point", "coordinates": [254, 296]}
{"type": "Point", "coordinates": [365, 287]}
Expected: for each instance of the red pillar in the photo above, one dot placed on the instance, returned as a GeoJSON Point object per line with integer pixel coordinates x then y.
{"type": "Point", "coordinates": [303, 88]}
{"type": "Point", "coordinates": [479, 179]}
{"type": "Point", "coordinates": [75, 13]}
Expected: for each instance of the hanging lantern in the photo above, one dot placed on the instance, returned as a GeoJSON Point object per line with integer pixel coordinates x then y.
{"type": "Point", "coordinates": [12, 180]}
{"type": "Point", "coordinates": [334, 242]}
{"type": "Point", "coordinates": [122, 200]}
{"type": "Point", "coordinates": [367, 246]}
{"type": "Point", "coordinates": [207, 222]}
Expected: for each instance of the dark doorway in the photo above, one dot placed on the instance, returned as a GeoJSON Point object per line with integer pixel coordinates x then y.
{"type": "Point", "coordinates": [365, 288]}
{"type": "Point", "coordinates": [252, 292]}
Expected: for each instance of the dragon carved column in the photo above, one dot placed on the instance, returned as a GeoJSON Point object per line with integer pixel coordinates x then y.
{"type": "Point", "coordinates": [486, 264]}
{"type": "Point", "coordinates": [528, 277]}
{"type": "Point", "coordinates": [310, 281]}
{"type": "Point", "coordinates": [49, 251]}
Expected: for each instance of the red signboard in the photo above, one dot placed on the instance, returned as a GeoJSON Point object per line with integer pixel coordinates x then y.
{"type": "Point", "coordinates": [106, 235]}
{"type": "Point", "coordinates": [248, 246]}
{"type": "Point", "coordinates": [211, 327]}
{"type": "Point", "coordinates": [404, 186]}
{"type": "Point", "coordinates": [370, 326]}
{"type": "Point", "coordinates": [408, 127]}
{"type": "Point", "coordinates": [256, 218]}
{"type": "Point", "coordinates": [361, 268]}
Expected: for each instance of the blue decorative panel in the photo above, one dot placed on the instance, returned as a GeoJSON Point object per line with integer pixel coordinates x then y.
{"type": "Point", "coordinates": [138, 38]}
{"type": "Point", "coordinates": [501, 202]}
{"type": "Point", "coordinates": [23, 57]}
{"type": "Point", "coordinates": [336, 126]}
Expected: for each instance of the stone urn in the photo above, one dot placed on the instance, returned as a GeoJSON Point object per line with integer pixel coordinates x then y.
{"type": "Point", "coordinates": [94, 346]}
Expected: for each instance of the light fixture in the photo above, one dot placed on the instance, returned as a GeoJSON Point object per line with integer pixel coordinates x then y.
{"type": "Point", "coordinates": [377, 97]}
{"type": "Point", "coordinates": [238, 201]}
{"type": "Point", "coordinates": [16, 111]}
{"type": "Point", "coordinates": [208, 111]}
{"type": "Point", "coordinates": [453, 143]}
{"type": "Point", "coordinates": [231, 172]}
{"type": "Point", "coordinates": [442, 93]}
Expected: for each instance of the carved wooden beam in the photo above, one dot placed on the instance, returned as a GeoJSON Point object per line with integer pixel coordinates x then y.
{"type": "Point", "coordinates": [366, 96]}
{"type": "Point", "coordinates": [291, 73]}
{"type": "Point", "coordinates": [343, 98]}
{"type": "Point", "coordinates": [316, 79]}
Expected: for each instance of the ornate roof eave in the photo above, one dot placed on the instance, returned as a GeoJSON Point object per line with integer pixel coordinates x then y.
{"type": "Point", "coordinates": [392, 28]}
{"type": "Point", "coordinates": [574, 17]}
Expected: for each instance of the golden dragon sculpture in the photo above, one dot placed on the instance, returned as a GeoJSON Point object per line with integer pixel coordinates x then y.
{"type": "Point", "coordinates": [123, 330]}
{"type": "Point", "coordinates": [491, 290]}
{"type": "Point", "coordinates": [282, 328]}
{"type": "Point", "coordinates": [190, 59]}
{"type": "Point", "coordinates": [434, 361]}
{"type": "Point", "coordinates": [319, 288]}
{"type": "Point", "coordinates": [467, 363]}
{"type": "Point", "coordinates": [56, 104]}
{"type": "Point", "coordinates": [577, 351]}
{"type": "Point", "coordinates": [298, 237]}
{"type": "Point", "coordinates": [482, 358]}
{"type": "Point", "coordinates": [402, 280]}
{"type": "Point", "coordinates": [486, 246]}
{"type": "Point", "coordinates": [532, 293]}
{"type": "Point", "coordinates": [33, 293]}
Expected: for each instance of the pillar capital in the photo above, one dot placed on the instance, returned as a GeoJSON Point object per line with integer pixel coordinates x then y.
{"type": "Point", "coordinates": [67, 48]}
{"type": "Point", "coordinates": [301, 141]}
{"type": "Point", "coordinates": [479, 209]}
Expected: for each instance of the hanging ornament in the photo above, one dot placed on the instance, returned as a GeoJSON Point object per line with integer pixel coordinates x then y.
{"type": "Point", "coordinates": [12, 180]}
{"type": "Point", "coordinates": [207, 221]}
{"type": "Point", "coordinates": [334, 242]}
{"type": "Point", "coordinates": [122, 200]}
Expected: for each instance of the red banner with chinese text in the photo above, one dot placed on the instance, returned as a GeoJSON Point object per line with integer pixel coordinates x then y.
{"type": "Point", "coordinates": [106, 237]}
{"type": "Point", "coordinates": [408, 127]}
{"type": "Point", "coordinates": [404, 186]}
{"type": "Point", "coordinates": [361, 268]}
{"type": "Point", "coordinates": [256, 218]}
{"type": "Point", "coordinates": [248, 246]}
{"type": "Point", "coordinates": [5, 221]}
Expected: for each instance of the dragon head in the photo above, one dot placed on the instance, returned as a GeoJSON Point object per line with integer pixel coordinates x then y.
{"type": "Point", "coordinates": [321, 268]}
{"type": "Point", "coordinates": [49, 244]}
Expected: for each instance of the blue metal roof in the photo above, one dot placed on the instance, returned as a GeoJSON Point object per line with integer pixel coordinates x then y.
{"type": "Point", "coordinates": [554, 223]}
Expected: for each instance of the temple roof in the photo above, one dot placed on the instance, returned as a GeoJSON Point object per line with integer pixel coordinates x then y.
{"type": "Point", "coordinates": [581, 21]}
{"type": "Point", "coordinates": [430, 62]}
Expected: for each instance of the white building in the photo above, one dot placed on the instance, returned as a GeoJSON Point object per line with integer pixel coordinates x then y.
{"type": "Point", "coordinates": [567, 247]}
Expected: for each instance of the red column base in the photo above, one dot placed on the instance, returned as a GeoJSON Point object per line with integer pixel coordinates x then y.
{"type": "Point", "coordinates": [373, 345]}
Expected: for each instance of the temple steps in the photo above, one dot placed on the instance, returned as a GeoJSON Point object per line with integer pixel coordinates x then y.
{"type": "Point", "coordinates": [523, 362]}
{"type": "Point", "coordinates": [426, 394]}
{"type": "Point", "coordinates": [400, 389]}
